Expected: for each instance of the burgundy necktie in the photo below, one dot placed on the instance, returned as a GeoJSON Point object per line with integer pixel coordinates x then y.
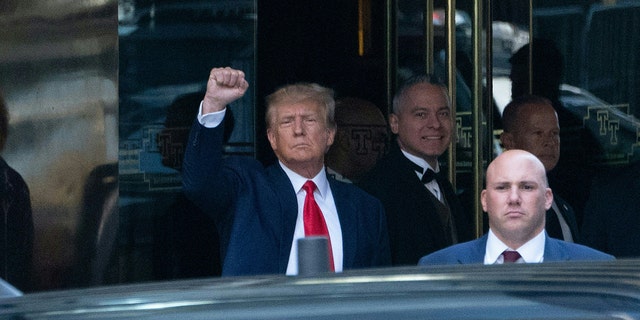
{"type": "Point", "coordinates": [314, 224]}
{"type": "Point", "coordinates": [510, 256]}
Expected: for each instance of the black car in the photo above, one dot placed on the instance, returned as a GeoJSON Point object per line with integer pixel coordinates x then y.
{"type": "Point", "coordinates": [566, 290]}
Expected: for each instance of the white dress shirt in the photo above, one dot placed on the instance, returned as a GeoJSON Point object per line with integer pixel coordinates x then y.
{"type": "Point", "coordinates": [564, 226]}
{"type": "Point", "coordinates": [432, 186]}
{"type": "Point", "coordinates": [336, 175]}
{"type": "Point", "coordinates": [530, 252]}
{"type": "Point", "coordinates": [324, 199]}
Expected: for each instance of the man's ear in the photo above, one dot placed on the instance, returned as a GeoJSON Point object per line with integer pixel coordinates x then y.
{"type": "Point", "coordinates": [331, 135]}
{"type": "Point", "coordinates": [483, 200]}
{"type": "Point", "coordinates": [548, 196]}
{"type": "Point", "coordinates": [506, 138]}
{"type": "Point", "coordinates": [393, 123]}
{"type": "Point", "coordinates": [272, 139]}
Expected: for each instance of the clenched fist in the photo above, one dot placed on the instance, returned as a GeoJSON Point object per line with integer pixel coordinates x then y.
{"type": "Point", "coordinates": [225, 85]}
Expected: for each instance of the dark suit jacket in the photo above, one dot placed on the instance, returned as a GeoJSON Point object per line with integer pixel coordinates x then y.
{"type": "Point", "coordinates": [414, 224]}
{"type": "Point", "coordinates": [473, 252]}
{"type": "Point", "coordinates": [16, 228]}
{"type": "Point", "coordinates": [569, 216]}
{"type": "Point", "coordinates": [255, 210]}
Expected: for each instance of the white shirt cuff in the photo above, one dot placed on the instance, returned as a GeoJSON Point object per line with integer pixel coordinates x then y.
{"type": "Point", "coordinates": [211, 120]}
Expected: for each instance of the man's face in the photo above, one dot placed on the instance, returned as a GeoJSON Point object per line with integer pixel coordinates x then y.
{"type": "Point", "coordinates": [298, 134]}
{"type": "Point", "coordinates": [423, 123]}
{"type": "Point", "coordinates": [538, 132]}
{"type": "Point", "coordinates": [516, 197]}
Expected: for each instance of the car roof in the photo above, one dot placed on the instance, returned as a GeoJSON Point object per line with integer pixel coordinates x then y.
{"type": "Point", "coordinates": [567, 290]}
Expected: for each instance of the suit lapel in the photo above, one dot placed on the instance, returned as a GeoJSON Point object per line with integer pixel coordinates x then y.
{"type": "Point", "coordinates": [422, 196]}
{"type": "Point", "coordinates": [347, 214]}
{"type": "Point", "coordinates": [569, 216]}
{"type": "Point", "coordinates": [476, 255]}
{"type": "Point", "coordinates": [287, 199]}
{"type": "Point", "coordinates": [405, 169]}
{"type": "Point", "coordinates": [553, 251]}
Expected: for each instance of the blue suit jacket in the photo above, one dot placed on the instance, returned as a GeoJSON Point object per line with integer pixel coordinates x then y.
{"type": "Point", "coordinates": [255, 210]}
{"type": "Point", "coordinates": [473, 252]}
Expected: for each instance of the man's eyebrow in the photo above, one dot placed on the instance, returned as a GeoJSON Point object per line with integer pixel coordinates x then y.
{"type": "Point", "coordinates": [416, 108]}
{"type": "Point", "coordinates": [421, 108]}
{"type": "Point", "coordinates": [365, 126]}
{"type": "Point", "coordinates": [284, 118]}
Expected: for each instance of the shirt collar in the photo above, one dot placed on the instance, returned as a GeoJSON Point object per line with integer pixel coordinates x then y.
{"type": "Point", "coordinates": [297, 180]}
{"type": "Point", "coordinates": [421, 162]}
{"type": "Point", "coordinates": [531, 252]}
{"type": "Point", "coordinates": [336, 175]}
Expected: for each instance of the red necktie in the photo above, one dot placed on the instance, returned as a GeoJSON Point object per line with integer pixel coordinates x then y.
{"type": "Point", "coordinates": [314, 224]}
{"type": "Point", "coordinates": [510, 256]}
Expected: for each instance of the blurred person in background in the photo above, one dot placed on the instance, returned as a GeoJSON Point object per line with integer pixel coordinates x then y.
{"type": "Point", "coordinates": [361, 139]}
{"type": "Point", "coordinates": [16, 221]}
{"type": "Point", "coordinates": [572, 175]}
{"type": "Point", "coordinates": [531, 124]}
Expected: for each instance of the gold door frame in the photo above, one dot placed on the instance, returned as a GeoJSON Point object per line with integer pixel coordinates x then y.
{"type": "Point", "coordinates": [481, 148]}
